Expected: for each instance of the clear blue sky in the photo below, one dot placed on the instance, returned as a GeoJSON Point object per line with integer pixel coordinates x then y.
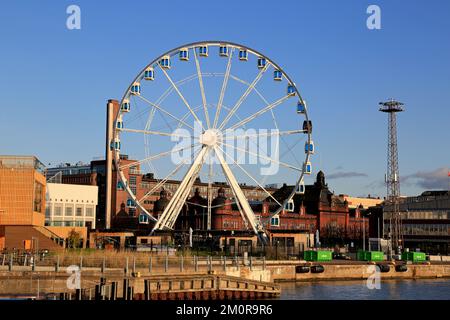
{"type": "Point", "coordinates": [54, 82]}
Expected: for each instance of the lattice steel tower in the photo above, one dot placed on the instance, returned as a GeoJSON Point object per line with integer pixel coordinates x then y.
{"type": "Point", "coordinates": [391, 107]}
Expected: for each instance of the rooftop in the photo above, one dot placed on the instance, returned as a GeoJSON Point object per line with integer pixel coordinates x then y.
{"type": "Point", "coordinates": [23, 162]}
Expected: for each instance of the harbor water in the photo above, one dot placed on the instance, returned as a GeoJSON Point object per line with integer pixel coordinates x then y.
{"type": "Point", "coordinates": [433, 289]}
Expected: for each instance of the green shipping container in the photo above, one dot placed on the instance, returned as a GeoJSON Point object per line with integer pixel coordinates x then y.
{"type": "Point", "coordinates": [370, 255]}
{"type": "Point", "coordinates": [320, 255]}
{"type": "Point", "coordinates": [414, 256]}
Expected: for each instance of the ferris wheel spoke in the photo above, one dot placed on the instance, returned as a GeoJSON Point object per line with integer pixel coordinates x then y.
{"type": "Point", "coordinates": [210, 173]}
{"type": "Point", "coordinates": [263, 157]}
{"type": "Point", "coordinates": [156, 133]}
{"type": "Point", "coordinates": [259, 113]}
{"type": "Point", "coordinates": [163, 181]}
{"type": "Point", "coordinates": [222, 91]}
{"type": "Point", "coordinates": [202, 88]}
{"type": "Point", "coordinates": [170, 213]}
{"type": "Point", "coordinates": [157, 156]}
{"type": "Point", "coordinates": [270, 133]}
{"type": "Point", "coordinates": [165, 111]}
{"type": "Point", "coordinates": [250, 176]}
{"type": "Point", "coordinates": [240, 197]}
{"type": "Point", "coordinates": [180, 94]}
{"type": "Point", "coordinates": [244, 96]}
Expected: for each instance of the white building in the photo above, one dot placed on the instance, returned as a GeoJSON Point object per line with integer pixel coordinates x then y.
{"type": "Point", "coordinates": [70, 205]}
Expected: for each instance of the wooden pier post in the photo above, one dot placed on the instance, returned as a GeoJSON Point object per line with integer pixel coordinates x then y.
{"type": "Point", "coordinates": [126, 267]}
{"type": "Point", "coordinates": [57, 264]}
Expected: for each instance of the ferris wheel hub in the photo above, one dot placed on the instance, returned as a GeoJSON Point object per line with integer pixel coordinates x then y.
{"type": "Point", "coordinates": [210, 138]}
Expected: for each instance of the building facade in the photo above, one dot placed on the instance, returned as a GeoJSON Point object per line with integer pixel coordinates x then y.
{"type": "Point", "coordinates": [71, 205]}
{"type": "Point", "coordinates": [22, 205]}
{"type": "Point", "coordinates": [425, 221]}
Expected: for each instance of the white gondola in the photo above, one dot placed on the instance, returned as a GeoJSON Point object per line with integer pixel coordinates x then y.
{"type": "Point", "coordinates": [143, 218]}
{"type": "Point", "coordinates": [203, 51]}
{"type": "Point", "coordinates": [130, 203]}
{"type": "Point", "coordinates": [261, 63]}
{"type": "Point", "coordinates": [277, 75]}
{"type": "Point", "coordinates": [149, 74]}
{"type": "Point", "coordinates": [307, 168]}
{"type": "Point", "coordinates": [136, 88]}
{"type": "Point", "coordinates": [300, 188]}
{"type": "Point", "coordinates": [119, 123]}
{"type": "Point", "coordinates": [275, 221]}
{"type": "Point", "coordinates": [289, 206]}
{"type": "Point", "coordinates": [223, 51]}
{"type": "Point", "coordinates": [184, 54]}
{"type": "Point", "coordinates": [243, 55]}
{"type": "Point", "coordinates": [290, 90]}
{"type": "Point", "coordinates": [301, 108]}
{"type": "Point", "coordinates": [309, 147]}
{"type": "Point", "coordinates": [115, 144]}
{"type": "Point", "coordinates": [165, 62]}
{"type": "Point", "coordinates": [125, 107]}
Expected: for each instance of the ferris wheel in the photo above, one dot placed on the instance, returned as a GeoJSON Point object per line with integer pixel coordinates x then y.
{"type": "Point", "coordinates": [214, 113]}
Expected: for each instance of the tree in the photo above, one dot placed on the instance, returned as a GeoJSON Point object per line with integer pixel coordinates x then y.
{"type": "Point", "coordinates": [73, 239]}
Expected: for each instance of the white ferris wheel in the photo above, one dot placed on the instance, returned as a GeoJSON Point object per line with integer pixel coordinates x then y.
{"type": "Point", "coordinates": [214, 112]}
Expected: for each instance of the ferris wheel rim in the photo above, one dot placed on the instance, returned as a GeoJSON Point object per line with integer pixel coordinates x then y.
{"type": "Point", "coordinates": [194, 45]}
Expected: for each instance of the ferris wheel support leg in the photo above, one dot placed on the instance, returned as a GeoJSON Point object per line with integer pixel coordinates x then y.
{"type": "Point", "coordinates": [175, 204]}
{"type": "Point", "coordinates": [248, 212]}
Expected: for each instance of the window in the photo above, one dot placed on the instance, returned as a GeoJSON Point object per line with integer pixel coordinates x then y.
{"type": "Point", "coordinates": [79, 224]}
{"type": "Point", "coordinates": [89, 211]}
{"type": "Point", "coordinates": [69, 211]}
{"type": "Point", "coordinates": [57, 210]}
{"type": "Point", "coordinates": [79, 211]}
{"type": "Point", "coordinates": [37, 197]}
{"type": "Point", "coordinates": [68, 223]}
{"type": "Point", "coordinates": [133, 180]}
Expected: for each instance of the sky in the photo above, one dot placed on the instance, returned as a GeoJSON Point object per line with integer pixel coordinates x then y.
{"type": "Point", "coordinates": [54, 82]}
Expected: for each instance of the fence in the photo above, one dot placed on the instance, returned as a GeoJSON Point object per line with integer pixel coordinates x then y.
{"type": "Point", "coordinates": [149, 263]}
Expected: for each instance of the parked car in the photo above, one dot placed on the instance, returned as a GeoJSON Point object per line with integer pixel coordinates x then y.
{"type": "Point", "coordinates": [340, 256]}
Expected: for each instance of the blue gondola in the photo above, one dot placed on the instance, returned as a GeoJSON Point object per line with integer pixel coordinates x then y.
{"type": "Point", "coordinates": [275, 221]}
{"type": "Point", "coordinates": [277, 75]}
{"type": "Point", "coordinates": [130, 203]}
{"type": "Point", "coordinates": [119, 123]}
{"type": "Point", "coordinates": [243, 55]}
{"type": "Point", "coordinates": [223, 51]}
{"type": "Point", "coordinates": [149, 74]}
{"type": "Point", "coordinates": [143, 218]}
{"type": "Point", "coordinates": [115, 144]}
{"type": "Point", "coordinates": [184, 54]}
{"type": "Point", "coordinates": [301, 108]}
{"type": "Point", "coordinates": [165, 62]}
{"type": "Point", "coordinates": [307, 126]}
{"type": "Point", "coordinates": [203, 51]}
{"type": "Point", "coordinates": [136, 88]}
{"type": "Point", "coordinates": [261, 63]}
{"type": "Point", "coordinates": [307, 168]}
{"type": "Point", "coordinates": [291, 90]}
{"type": "Point", "coordinates": [300, 188]}
{"type": "Point", "coordinates": [125, 107]}
{"type": "Point", "coordinates": [289, 206]}
{"type": "Point", "coordinates": [309, 147]}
